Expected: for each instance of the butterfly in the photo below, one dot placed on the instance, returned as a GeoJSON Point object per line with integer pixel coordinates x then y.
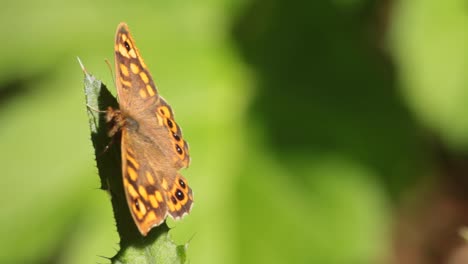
{"type": "Point", "coordinates": [153, 149]}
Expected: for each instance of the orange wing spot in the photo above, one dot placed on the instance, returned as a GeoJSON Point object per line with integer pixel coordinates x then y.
{"type": "Point", "coordinates": [124, 37]}
{"type": "Point", "coordinates": [182, 144]}
{"type": "Point", "coordinates": [124, 70]}
{"type": "Point", "coordinates": [123, 51]}
{"type": "Point", "coordinates": [125, 83]}
{"type": "Point", "coordinates": [178, 206]}
{"type": "Point", "coordinates": [142, 63]}
{"type": "Point", "coordinates": [133, 161]}
{"type": "Point", "coordinates": [150, 217]}
{"type": "Point", "coordinates": [158, 196]}
{"type": "Point", "coordinates": [150, 90]}
{"type": "Point", "coordinates": [143, 93]}
{"type": "Point", "coordinates": [135, 69]}
{"type": "Point", "coordinates": [160, 120]}
{"type": "Point", "coordinates": [136, 212]}
{"type": "Point", "coordinates": [142, 207]}
{"type": "Point", "coordinates": [132, 173]}
{"type": "Point", "coordinates": [153, 201]}
{"type": "Point", "coordinates": [171, 206]}
{"type": "Point", "coordinates": [131, 190]}
{"type": "Point", "coordinates": [143, 192]}
{"type": "Point", "coordinates": [132, 53]}
{"type": "Point", "coordinates": [144, 77]}
{"type": "Point", "coordinates": [164, 184]}
{"type": "Point", "coordinates": [150, 178]}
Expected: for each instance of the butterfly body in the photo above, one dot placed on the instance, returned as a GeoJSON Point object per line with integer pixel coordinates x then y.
{"type": "Point", "coordinates": [153, 149]}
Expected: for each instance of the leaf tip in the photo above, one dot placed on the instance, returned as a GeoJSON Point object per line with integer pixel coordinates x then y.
{"type": "Point", "coordinates": [81, 65]}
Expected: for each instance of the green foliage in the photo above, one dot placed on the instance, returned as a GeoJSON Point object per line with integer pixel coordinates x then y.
{"type": "Point", "coordinates": [429, 42]}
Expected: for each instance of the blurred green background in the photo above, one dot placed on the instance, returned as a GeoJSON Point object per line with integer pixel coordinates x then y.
{"type": "Point", "coordinates": [320, 131]}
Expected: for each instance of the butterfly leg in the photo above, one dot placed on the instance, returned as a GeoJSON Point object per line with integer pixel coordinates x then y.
{"type": "Point", "coordinates": [95, 109]}
{"type": "Point", "coordinates": [107, 147]}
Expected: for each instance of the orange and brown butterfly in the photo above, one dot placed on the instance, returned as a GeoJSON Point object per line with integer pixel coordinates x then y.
{"type": "Point", "coordinates": [153, 149]}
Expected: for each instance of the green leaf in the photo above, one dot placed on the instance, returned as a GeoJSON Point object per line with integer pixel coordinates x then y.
{"type": "Point", "coordinates": [157, 246]}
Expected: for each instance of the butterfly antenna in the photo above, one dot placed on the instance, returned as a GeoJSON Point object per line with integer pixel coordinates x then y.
{"type": "Point", "coordinates": [110, 69]}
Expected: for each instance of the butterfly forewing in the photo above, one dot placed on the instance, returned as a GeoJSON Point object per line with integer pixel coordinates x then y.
{"type": "Point", "coordinates": [153, 149]}
{"type": "Point", "coordinates": [135, 87]}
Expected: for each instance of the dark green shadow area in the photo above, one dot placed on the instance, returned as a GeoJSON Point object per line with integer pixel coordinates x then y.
{"type": "Point", "coordinates": [325, 86]}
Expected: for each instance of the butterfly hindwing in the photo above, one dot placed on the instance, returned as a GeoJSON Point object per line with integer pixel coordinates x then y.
{"type": "Point", "coordinates": [179, 197]}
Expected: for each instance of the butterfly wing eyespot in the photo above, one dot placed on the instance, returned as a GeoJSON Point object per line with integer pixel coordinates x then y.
{"type": "Point", "coordinates": [180, 198]}
{"type": "Point", "coordinates": [127, 46]}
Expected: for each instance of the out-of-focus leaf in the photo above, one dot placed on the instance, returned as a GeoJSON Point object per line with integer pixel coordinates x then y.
{"type": "Point", "coordinates": [429, 42]}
